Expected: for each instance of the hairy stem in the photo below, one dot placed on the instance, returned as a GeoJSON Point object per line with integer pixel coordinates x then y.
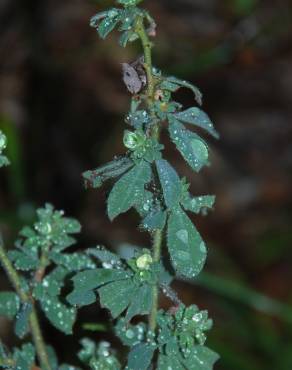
{"type": "Point", "coordinates": [157, 244]}
{"type": "Point", "coordinates": [147, 46]}
{"type": "Point", "coordinates": [25, 298]}
{"type": "Point", "coordinates": [158, 235]}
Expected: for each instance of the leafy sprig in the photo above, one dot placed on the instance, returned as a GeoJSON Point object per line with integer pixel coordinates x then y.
{"type": "Point", "coordinates": [40, 266]}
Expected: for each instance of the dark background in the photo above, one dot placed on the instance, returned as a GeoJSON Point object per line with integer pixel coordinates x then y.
{"type": "Point", "coordinates": [62, 104]}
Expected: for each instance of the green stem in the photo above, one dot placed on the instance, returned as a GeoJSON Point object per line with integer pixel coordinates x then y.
{"type": "Point", "coordinates": [147, 46]}
{"type": "Point", "coordinates": [157, 244]}
{"type": "Point", "coordinates": [33, 319]}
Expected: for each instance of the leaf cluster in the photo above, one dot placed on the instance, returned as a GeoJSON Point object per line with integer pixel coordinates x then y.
{"type": "Point", "coordinates": [42, 268]}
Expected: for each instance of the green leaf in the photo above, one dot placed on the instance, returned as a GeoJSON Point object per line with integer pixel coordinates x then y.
{"type": "Point", "coordinates": [141, 302]}
{"type": "Point", "coordinates": [3, 143]}
{"type": "Point", "coordinates": [198, 204]}
{"type": "Point", "coordinates": [22, 320]}
{"type": "Point", "coordinates": [107, 25]}
{"type": "Point", "coordinates": [139, 119]}
{"type": "Point", "coordinates": [145, 203]}
{"type": "Point", "coordinates": [140, 357]}
{"type": "Point", "coordinates": [129, 2]}
{"type": "Point", "coordinates": [173, 84]}
{"type": "Point", "coordinates": [81, 298]}
{"type": "Point", "coordinates": [129, 190]}
{"type": "Point", "coordinates": [154, 220]}
{"type": "Point", "coordinates": [9, 304]}
{"type": "Point", "coordinates": [130, 335]}
{"type": "Point", "coordinates": [191, 146]}
{"type": "Point", "coordinates": [116, 296]}
{"type": "Point", "coordinates": [105, 22]}
{"type": "Point", "coordinates": [170, 182]}
{"type": "Point", "coordinates": [197, 117]}
{"type": "Point", "coordinates": [166, 362]}
{"type": "Point", "coordinates": [52, 358]}
{"type": "Point", "coordinates": [98, 357]}
{"type": "Point", "coordinates": [51, 285]}
{"type": "Point", "coordinates": [86, 281]}
{"type": "Point", "coordinates": [73, 261]}
{"type": "Point", "coordinates": [60, 315]}
{"type": "Point", "coordinates": [186, 247]}
{"type": "Point", "coordinates": [91, 279]}
{"type": "Point", "coordinates": [23, 260]}
{"type": "Point", "coordinates": [104, 255]}
{"type": "Point", "coordinates": [24, 357]}
{"type": "Point", "coordinates": [68, 367]}
{"type": "Point", "coordinates": [95, 178]}
{"type": "Point", "coordinates": [201, 358]}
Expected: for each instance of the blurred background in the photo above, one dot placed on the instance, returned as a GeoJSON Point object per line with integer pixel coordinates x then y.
{"type": "Point", "coordinates": [62, 103]}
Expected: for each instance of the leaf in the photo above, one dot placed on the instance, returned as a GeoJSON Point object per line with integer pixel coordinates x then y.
{"type": "Point", "coordinates": [104, 255]}
{"type": "Point", "coordinates": [95, 178]}
{"type": "Point", "coordinates": [166, 362]}
{"type": "Point", "coordinates": [186, 247]}
{"type": "Point", "coordinates": [197, 117]}
{"type": "Point", "coordinates": [24, 357]}
{"type": "Point", "coordinates": [86, 281]}
{"type": "Point", "coordinates": [59, 314]}
{"type": "Point", "coordinates": [91, 279]}
{"type": "Point", "coordinates": [3, 143]}
{"type": "Point", "coordinates": [198, 204]}
{"type": "Point", "coordinates": [23, 260]}
{"type": "Point", "coordinates": [129, 190]}
{"type": "Point", "coordinates": [173, 84]}
{"type": "Point", "coordinates": [130, 335]}
{"type": "Point", "coordinates": [140, 357]}
{"type": "Point", "coordinates": [9, 304]}
{"type": "Point", "coordinates": [141, 302]}
{"type": "Point", "coordinates": [117, 296]}
{"type": "Point", "coordinates": [105, 22]}
{"type": "Point", "coordinates": [191, 146]}
{"type": "Point", "coordinates": [73, 261]}
{"type": "Point", "coordinates": [201, 358]}
{"type": "Point", "coordinates": [80, 298]}
{"type": "Point", "coordinates": [170, 182]}
{"type": "Point", "coordinates": [52, 357]}
{"type": "Point", "coordinates": [154, 220]}
{"type": "Point", "coordinates": [22, 320]}
{"type": "Point", "coordinates": [51, 285]}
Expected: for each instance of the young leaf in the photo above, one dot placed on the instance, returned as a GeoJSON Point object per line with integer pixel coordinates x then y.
{"type": "Point", "coordinates": [201, 358]}
{"type": "Point", "coordinates": [129, 190]}
{"type": "Point", "coordinates": [141, 302]}
{"type": "Point", "coordinates": [170, 183]}
{"type": "Point", "coordinates": [22, 320]}
{"type": "Point", "coordinates": [72, 261]}
{"type": "Point", "coordinates": [24, 357]}
{"type": "Point", "coordinates": [95, 178]}
{"type": "Point", "coordinates": [198, 204]}
{"type": "Point", "coordinates": [140, 357]}
{"type": "Point", "coordinates": [117, 296]}
{"type": "Point", "coordinates": [60, 315]}
{"type": "Point", "coordinates": [154, 220]}
{"type": "Point", "coordinates": [186, 247]}
{"type": "Point", "coordinates": [3, 142]}
{"type": "Point", "coordinates": [105, 22]}
{"type": "Point", "coordinates": [191, 146]}
{"type": "Point", "coordinates": [173, 84]}
{"type": "Point", "coordinates": [85, 282]}
{"type": "Point", "coordinates": [9, 304]}
{"type": "Point", "coordinates": [197, 117]}
{"type": "Point", "coordinates": [171, 361]}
